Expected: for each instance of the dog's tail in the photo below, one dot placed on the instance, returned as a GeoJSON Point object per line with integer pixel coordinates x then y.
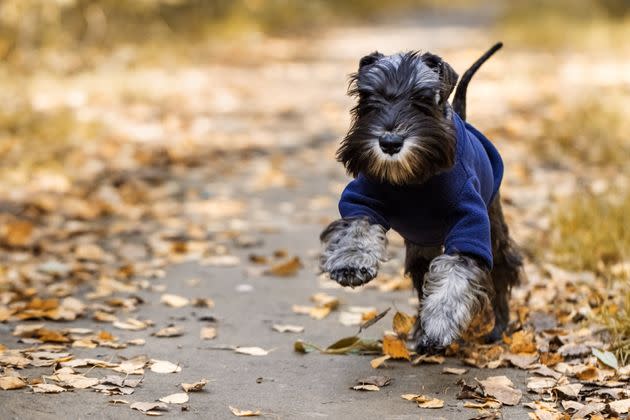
{"type": "Point", "coordinates": [459, 100]}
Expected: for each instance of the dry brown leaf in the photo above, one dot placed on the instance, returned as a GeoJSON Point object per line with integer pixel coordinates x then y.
{"type": "Point", "coordinates": [285, 268]}
{"type": "Point", "coordinates": [172, 331]}
{"type": "Point", "coordinates": [500, 388]}
{"type": "Point", "coordinates": [208, 333]}
{"type": "Point", "coordinates": [17, 233]}
{"type": "Point", "coordinates": [454, 371]}
{"type": "Point", "coordinates": [203, 303]}
{"type": "Point", "coordinates": [288, 328]}
{"type": "Point", "coordinates": [325, 300]}
{"type": "Point", "coordinates": [365, 387]}
{"type": "Point", "coordinates": [521, 342]}
{"type": "Point", "coordinates": [252, 351]}
{"type": "Point", "coordinates": [194, 387]}
{"type": "Point", "coordinates": [395, 347]}
{"type": "Point", "coordinates": [434, 359]}
{"type": "Point", "coordinates": [244, 413]}
{"type": "Point", "coordinates": [488, 403]}
{"type": "Point", "coordinates": [379, 381]}
{"type": "Point", "coordinates": [178, 398]}
{"type": "Point", "coordinates": [131, 324]}
{"type": "Point", "coordinates": [147, 407]}
{"type": "Point", "coordinates": [164, 366]}
{"type": "Point", "coordinates": [569, 390]}
{"type": "Point", "coordinates": [11, 382]}
{"type": "Point", "coordinates": [402, 324]}
{"type": "Point", "coordinates": [620, 406]}
{"type": "Point", "coordinates": [587, 373]}
{"type": "Point", "coordinates": [47, 389]}
{"type": "Point", "coordinates": [90, 252]}
{"type": "Point", "coordinates": [424, 401]}
{"type": "Point", "coordinates": [540, 384]}
{"type": "Point", "coordinates": [376, 363]}
{"type": "Point", "coordinates": [174, 301]}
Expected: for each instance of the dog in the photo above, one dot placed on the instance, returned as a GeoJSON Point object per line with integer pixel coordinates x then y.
{"type": "Point", "coordinates": [423, 171]}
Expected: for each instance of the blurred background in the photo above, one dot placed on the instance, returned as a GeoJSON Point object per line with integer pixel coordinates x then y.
{"type": "Point", "coordinates": [102, 101]}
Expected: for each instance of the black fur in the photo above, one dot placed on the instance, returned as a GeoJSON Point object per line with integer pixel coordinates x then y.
{"type": "Point", "coordinates": [406, 95]}
{"type": "Point", "coordinates": [399, 98]}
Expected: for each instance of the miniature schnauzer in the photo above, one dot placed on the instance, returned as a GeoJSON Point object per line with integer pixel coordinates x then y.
{"type": "Point", "coordinates": [423, 171]}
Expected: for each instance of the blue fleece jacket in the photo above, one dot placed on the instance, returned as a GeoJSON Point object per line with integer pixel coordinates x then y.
{"type": "Point", "coordinates": [448, 209]}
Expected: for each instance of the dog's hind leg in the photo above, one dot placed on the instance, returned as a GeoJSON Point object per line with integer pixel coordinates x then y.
{"type": "Point", "coordinates": [417, 261]}
{"type": "Point", "coordinates": [507, 269]}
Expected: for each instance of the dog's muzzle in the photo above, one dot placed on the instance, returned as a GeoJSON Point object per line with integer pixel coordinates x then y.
{"type": "Point", "coordinates": [391, 143]}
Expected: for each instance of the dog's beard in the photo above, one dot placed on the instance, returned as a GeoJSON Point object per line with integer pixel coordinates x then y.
{"type": "Point", "coordinates": [420, 157]}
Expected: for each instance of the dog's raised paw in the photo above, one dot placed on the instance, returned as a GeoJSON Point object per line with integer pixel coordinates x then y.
{"type": "Point", "coordinates": [353, 276]}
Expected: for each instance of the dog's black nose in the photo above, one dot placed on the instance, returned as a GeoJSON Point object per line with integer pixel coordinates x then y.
{"type": "Point", "coordinates": [390, 143]}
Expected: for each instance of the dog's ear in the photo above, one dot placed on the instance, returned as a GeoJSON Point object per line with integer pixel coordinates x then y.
{"type": "Point", "coordinates": [448, 76]}
{"type": "Point", "coordinates": [370, 59]}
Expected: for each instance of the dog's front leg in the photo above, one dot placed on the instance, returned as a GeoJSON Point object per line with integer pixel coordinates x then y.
{"type": "Point", "coordinates": [353, 250]}
{"type": "Point", "coordinates": [455, 288]}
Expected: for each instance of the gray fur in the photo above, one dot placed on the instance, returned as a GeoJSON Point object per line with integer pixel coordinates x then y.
{"type": "Point", "coordinates": [454, 289]}
{"type": "Point", "coordinates": [353, 250]}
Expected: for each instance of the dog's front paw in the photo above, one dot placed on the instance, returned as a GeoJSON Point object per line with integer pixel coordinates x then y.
{"type": "Point", "coordinates": [455, 289]}
{"type": "Point", "coordinates": [353, 276]}
{"type": "Point", "coordinates": [353, 250]}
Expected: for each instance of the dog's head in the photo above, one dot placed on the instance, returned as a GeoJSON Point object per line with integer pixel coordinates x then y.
{"type": "Point", "coordinates": [401, 131]}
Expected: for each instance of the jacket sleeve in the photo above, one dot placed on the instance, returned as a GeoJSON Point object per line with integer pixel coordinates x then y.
{"type": "Point", "coordinates": [361, 198]}
{"type": "Point", "coordinates": [470, 225]}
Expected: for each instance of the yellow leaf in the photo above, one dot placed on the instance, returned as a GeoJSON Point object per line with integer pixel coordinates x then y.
{"type": "Point", "coordinates": [403, 324]}
{"type": "Point", "coordinates": [285, 268]}
{"type": "Point", "coordinates": [395, 347]}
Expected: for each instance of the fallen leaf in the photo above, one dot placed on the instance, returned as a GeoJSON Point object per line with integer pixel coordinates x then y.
{"type": "Point", "coordinates": [435, 359]}
{"type": "Point", "coordinates": [522, 361]}
{"type": "Point", "coordinates": [588, 373]}
{"type": "Point", "coordinates": [131, 324]}
{"type": "Point", "coordinates": [194, 387]}
{"type": "Point", "coordinates": [379, 381]}
{"type": "Point", "coordinates": [203, 303]}
{"type": "Point", "coordinates": [454, 371]}
{"type": "Point", "coordinates": [47, 389]}
{"type": "Point", "coordinates": [244, 413]}
{"type": "Point", "coordinates": [11, 382]}
{"type": "Point", "coordinates": [149, 406]}
{"type": "Point", "coordinates": [424, 401]}
{"type": "Point", "coordinates": [488, 403]}
{"type": "Point", "coordinates": [402, 324]}
{"type": "Point", "coordinates": [164, 366]}
{"type": "Point", "coordinates": [620, 406]}
{"type": "Point", "coordinates": [302, 347]}
{"type": "Point", "coordinates": [500, 388]}
{"type": "Point", "coordinates": [373, 320]}
{"type": "Point", "coordinates": [350, 318]}
{"type": "Point", "coordinates": [285, 268]}
{"type": "Point", "coordinates": [252, 351]}
{"type": "Point", "coordinates": [365, 387]}
{"type": "Point", "coordinates": [174, 301]}
{"type": "Point", "coordinates": [324, 300]}
{"type": "Point", "coordinates": [376, 363]}
{"type": "Point", "coordinates": [521, 342]}
{"type": "Point", "coordinates": [606, 358]}
{"type": "Point", "coordinates": [208, 333]}
{"type": "Point", "coordinates": [287, 328]}
{"type": "Point", "coordinates": [540, 384]}
{"type": "Point", "coordinates": [179, 398]}
{"type": "Point", "coordinates": [395, 347]}
{"type": "Point", "coordinates": [569, 390]}
{"type": "Point", "coordinates": [172, 331]}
